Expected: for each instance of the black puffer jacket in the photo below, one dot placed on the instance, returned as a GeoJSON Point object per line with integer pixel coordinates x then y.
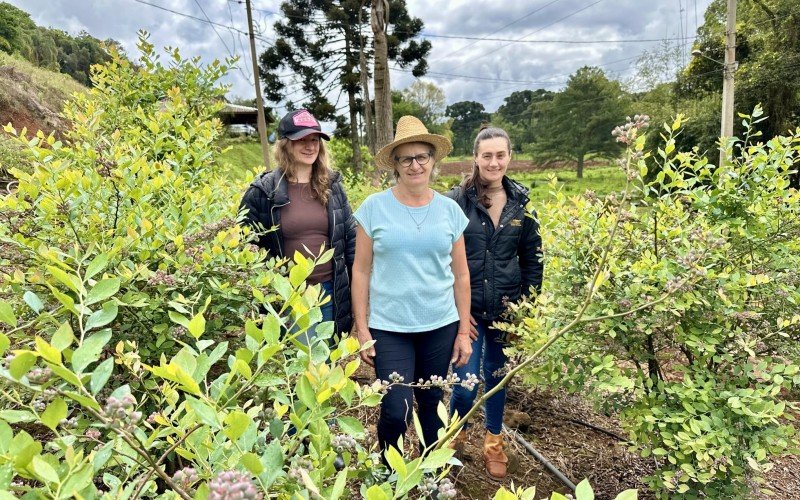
{"type": "Point", "coordinates": [503, 263]}
{"type": "Point", "coordinates": [263, 201]}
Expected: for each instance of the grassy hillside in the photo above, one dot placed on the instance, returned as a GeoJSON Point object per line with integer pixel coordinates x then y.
{"type": "Point", "coordinates": [240, 157]}
{"type": "Point", "coordinates": [33, 97]}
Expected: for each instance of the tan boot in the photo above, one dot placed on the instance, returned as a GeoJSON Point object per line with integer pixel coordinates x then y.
{"type": "Point", "coordinates": [458, 443]}
{"type": "Point", "coordinates": [494, 456]}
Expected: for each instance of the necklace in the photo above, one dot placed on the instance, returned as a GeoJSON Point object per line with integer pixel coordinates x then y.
{"type": "Point", "coordinates": [416, 222]}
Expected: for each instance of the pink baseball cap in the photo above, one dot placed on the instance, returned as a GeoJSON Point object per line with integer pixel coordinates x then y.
{"type": "Point", "coordinates": [298, 124]}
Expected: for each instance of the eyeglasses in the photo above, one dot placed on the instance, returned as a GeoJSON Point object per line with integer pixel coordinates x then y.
{"type": "Point", "coordinates": [406, 161]}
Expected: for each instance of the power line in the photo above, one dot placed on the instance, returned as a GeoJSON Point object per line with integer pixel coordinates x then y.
{"type": "Point", "coordinates": [512, 40]}
{"type": "Point", "coordinates": [473, 59]}
{"type": "Point", "coordinates": [231, 53]}
{"type": "Point", "coordinates": [501, 29]}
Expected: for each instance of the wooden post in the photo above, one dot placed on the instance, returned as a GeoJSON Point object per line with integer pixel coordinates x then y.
{"type": "Point", "coordinates": [729, 68]}
{"type": "Point", "coordinates": [262, 123]}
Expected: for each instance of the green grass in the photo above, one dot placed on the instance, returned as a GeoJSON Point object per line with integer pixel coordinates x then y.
{"type": "Point", "coordinates": [601, 180]}
{"type": "Point", "coordinates": [244, 157]}
{"type": "Point", "coordinates": [240, 157]}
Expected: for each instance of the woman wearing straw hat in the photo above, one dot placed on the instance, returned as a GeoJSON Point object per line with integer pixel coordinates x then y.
{"type": "Point", "coordinates": [503, 246]}
{"type": "Point", "coordinates": [411, 269]}
{"type": "Point", "coordinates": [308, 203]}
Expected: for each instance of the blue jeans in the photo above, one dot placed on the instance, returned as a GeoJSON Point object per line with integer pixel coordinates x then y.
{"type": "Point", "coordinates": [413, 356]}
{"type": "Point", "coordinates": [327, 314]}
{"type": "Point", "coordinates": [487, 348]}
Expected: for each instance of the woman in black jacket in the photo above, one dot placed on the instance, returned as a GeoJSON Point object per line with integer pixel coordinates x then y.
{"type": "Point", "coordinates": [308, 204]}
{"type": "Point", "coordinates": [504, 257]}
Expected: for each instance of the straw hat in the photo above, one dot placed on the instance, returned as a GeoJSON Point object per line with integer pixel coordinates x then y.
{"type": "Point", "coordinates": [411, 129]}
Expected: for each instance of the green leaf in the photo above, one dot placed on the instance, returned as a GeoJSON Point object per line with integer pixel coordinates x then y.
{"type": "Point", "coordinates": [83, 400]}
{"type": "Point", "coordinates": [584, 491]}
{"type": "Point", "coordinates": [437, 458]}
{"type": "Point", "coordinates": [63, 337]}
{"type": "Point", "coordinates": [273, 463]}
{"type": "Point", "coordinates": [236, 423]}
{"type": "Point", "coordinates": [5, 343]}
{"type": "Point", "coordinates": [376, 493]}
{"type": "Point", "coordinates": [100, 375]}
{"type": "Point", "coordinates": [103, 290]}
{"type": "Point", "coordinates": [98, 264]}
{"type": "Point", "coordinates": [6, 475]}
{"type": "Point", "coordinates": [65, 374]}
{"type": "Point", "coordinates": [197, 325]}
{"type": "Point", "coordinates": [204, 413]}
{"type": "Point", "coordinates": [47, 351]}
{"type": "Point", "coordinates": [17, 416]}
{"type": "Point", "coordinates": [627, 495]}
{"type": "Point", "coordinates": [7, 314]}
{"type": "Point", "coordinates": [68, 280]}
{"type": "Point", "coordinates": [55, 413]}
{"type": "Point", "coordinates": [338, 486]}
{"type": "Point", "coordinates": [396, 462]}
{"type": "Point", "coordinates": [252, 463]}
{"type": "Point", "coordinates": [44, 471]}
{"type": "Point", "coordinates": [351, 426]}
{"type": "Point", "coordinates": [21, 364]}
{"type": "Point", "coordinates": [305, 393]}
{"type": "Point", "coordinates": [90, 350]}
{"type": "Point", "coordinates": [33, 301]}
{"type": "Point", "coordinates": [102, 317]}
{"type": "Point", "coordinates": [179, 318]}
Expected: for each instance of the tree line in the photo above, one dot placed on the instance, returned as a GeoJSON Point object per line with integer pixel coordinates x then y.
{"type": "Point", "coordinates": [327, 46]}
{"type": "Point", "coordinates": [50, 48]}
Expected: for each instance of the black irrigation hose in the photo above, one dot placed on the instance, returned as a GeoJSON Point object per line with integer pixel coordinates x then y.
{"type": "Point", "coordinates": [538, 456]}
{"type": "Point", "coordinates": [598, 429]}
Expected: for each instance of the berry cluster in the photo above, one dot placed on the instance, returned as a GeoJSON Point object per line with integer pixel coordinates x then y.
{"type": "Point", "coordinates": [161, 278]}
{"type": "Point", "coordinates": [186, 477]}
{"type": "Point", "coordinates": [442, 490]}
{"type": "Point", "coordinates": [39, 376]}
{"type": "Point", "coordinates": [627, 133]}
{"type": "Point", "coordinates": [121, 412]}
{"type": "Point", "coordinates": [341, 442]}
{"type": "Point", "coordinates": [301, 464]}
{"type": "Point", "coordinates": [232, 485]}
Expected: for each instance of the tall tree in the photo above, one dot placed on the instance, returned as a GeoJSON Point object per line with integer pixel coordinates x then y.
{"type": "Point", "coordinates": [578, 121]}
{"type": "Point", "coordinates": [768, 56]}
{"type": "Point", "coordinates": [320, 42]}
{"type": "Point", "coordinates": [518, 113]}
{"type": "Point", "coordinates": [379, 19]}
{"type": "Point", "coordinates": [467, 118]}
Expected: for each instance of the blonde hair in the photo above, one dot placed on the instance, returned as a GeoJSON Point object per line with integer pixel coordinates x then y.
{"type": "Point", "coordinates": [320, 175]}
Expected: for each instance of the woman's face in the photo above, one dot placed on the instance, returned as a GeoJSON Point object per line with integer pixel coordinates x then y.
{"type": "Point", "coordinates": [492, 158]}
{"type": "Point", "coordinates": [413, 174]}
{"type": "Point", "coordinates": [306, 150]}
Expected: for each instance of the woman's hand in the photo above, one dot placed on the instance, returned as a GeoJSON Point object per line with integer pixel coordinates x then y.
{"type": "Point", "coordinates": [473, 328]}
{"type": "Point", "coordinates": [367, 355]}
{"type": "Point", "coordinates": [462, 349]}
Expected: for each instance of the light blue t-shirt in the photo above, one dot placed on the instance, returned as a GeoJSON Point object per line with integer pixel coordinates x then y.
{"type": "Point", "coordinates": [411, 286]}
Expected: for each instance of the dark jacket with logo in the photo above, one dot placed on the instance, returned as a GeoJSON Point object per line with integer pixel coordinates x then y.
{"type": "Point", "coordinates": [262, 203]}
{"type": "Point", "coordinates": [503, 262]}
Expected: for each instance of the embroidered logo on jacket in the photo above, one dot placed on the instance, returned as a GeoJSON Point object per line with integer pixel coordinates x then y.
{"type": "Point", "coordinates": [515, 222]}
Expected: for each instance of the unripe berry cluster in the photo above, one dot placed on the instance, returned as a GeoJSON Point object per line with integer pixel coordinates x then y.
{"type": "Point", "coordinates": [232, 485]}
{"type": "Point", "coordinates": [120, 411]}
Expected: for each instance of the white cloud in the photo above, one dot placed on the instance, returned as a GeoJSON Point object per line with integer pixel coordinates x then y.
{"type": "Point", "coordinates": [452, 61]}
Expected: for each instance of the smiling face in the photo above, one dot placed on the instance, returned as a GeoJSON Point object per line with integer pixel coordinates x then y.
{"type": "Point", "coordinates": [492, 158]}
{"type": "Point", "coordinates": [414, 175]}
{"type": "Point", "coordinates": [306, 150]}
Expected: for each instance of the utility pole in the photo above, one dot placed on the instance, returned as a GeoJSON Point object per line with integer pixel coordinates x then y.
{"type": "Point", "coordinates": [262, 123]}
{"type": "Point", "coordinates": [728, 70]}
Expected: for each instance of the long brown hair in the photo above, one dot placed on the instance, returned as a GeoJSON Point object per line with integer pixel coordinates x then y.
{"type": "Point", "coordinates": [485, 133]}
{"type": "Point", "coordinates": [320, 175]}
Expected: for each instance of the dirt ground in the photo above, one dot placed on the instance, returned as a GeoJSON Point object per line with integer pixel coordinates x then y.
{"type": "Point", "coordinates": [555, 424]}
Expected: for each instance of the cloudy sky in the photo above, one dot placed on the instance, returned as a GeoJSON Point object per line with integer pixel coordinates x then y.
{"type": "Point", "coordinates": [482, 49]}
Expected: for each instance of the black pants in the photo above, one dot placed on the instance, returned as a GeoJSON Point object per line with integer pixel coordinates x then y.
{"type": "Point", "coordinates": [413, 356]}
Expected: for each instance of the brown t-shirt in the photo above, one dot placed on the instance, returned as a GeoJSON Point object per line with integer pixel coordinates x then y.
{"type": "Point", "coordinates": [304, 223]}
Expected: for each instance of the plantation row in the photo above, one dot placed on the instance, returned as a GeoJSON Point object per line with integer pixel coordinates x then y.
{"type": "Point", "coordinates": [142, 333]}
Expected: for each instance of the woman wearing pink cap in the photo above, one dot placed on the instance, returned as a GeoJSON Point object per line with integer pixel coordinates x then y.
{"type": "Point", "coordinates": [306, 200]}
